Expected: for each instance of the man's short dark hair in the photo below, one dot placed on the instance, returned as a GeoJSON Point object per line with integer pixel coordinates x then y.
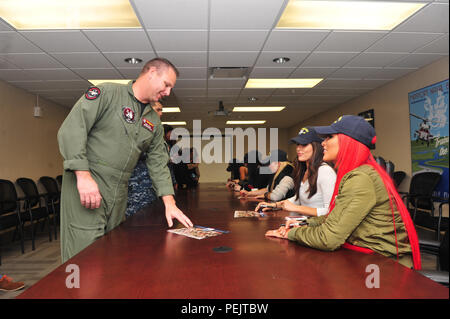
{"type": "Point", "coordinates": [159, 63]}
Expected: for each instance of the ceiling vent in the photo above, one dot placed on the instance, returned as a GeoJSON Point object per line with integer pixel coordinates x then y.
{"type": "Point", "coordinates": [229, 72]}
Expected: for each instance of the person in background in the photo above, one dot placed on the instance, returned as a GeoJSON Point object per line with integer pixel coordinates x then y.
{"type": "Point", "coordinates": [7, 284]}
{"type": "Point", "coordinates": [313, 178]}
{"type": "Point", "coordinates": [140, 186]}
{"type": "Point", "coordinates": [366, 213]}
{"type": "Point", "coordinates": [281, 184]}
{"type": "Point", "coordinates": [169, 143]}
{"type": "Point", "coordinates": [187, 174]}
{"type": "Point", "coordinates": [251, 173]}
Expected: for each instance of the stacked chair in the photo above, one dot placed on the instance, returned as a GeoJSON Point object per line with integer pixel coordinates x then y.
{"type": "Point", "coordinates": [10, 215]}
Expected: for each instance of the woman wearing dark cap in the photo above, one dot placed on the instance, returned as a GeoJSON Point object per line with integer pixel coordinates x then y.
{"type": "Point", "coordinates": [366, 213]}
{"type": "Point", "coordinates": [313, 179]}
{"type": "Point", "coordinates": [280, 184]}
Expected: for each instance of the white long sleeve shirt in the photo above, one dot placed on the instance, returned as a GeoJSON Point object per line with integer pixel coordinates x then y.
{"type": "Point", "coordinates": [326, 179]}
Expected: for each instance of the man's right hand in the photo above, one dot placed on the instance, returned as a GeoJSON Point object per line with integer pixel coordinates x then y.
{"type": "Point", "coordinates": [88, 189]}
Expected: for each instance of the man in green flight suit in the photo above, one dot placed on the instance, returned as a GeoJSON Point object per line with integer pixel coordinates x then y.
{"type": "Point", "coordinates": [101, 141]}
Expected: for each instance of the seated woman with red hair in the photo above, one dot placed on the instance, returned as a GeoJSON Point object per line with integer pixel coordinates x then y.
{"type": "Point", "coordinates": [366, 212]}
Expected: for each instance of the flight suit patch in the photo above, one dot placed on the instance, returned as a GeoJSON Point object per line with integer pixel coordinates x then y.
{"type": "Point", "coordinates": [148, 125]}
{"type": "Point", "coordinates": [92, 93]}
{"type": "Point", "coordinates": [128, 115]}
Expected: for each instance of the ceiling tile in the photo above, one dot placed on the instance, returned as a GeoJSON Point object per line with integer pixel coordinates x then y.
{"type": "Point", "coordinates": [312, 72]}
{"type": "Point", "coordinates": [336, 92]}
{"type": "Point", "coordinates": [178, 40]}
{"type": "Point", "coordinates": [13, 42]}
{"type": "Point", "coordinates": [4, 64]}
{"type": "Point", "coordinates": [279, 73]}
{"type": "Point", "coordinates": [345, 84]}
{"type": "Point", "coordinates": [226, 83]}
{"type": "Point", "coordinates": [32, 60]}
{"type": "Point", "coordinates": [416, 60]}
{"type": "Point", "coordinates": [232, 59]}
{"type": "Point", "coordinates": [192, 73]}
{"type": "Point", "coordinates": [5, 26]}
{"type": "Point", "coordinates": [223, 92]}
{"type": "Point", "coordinates": [60, 41]}
{"type": "Point", "coordinates": [185, 59]}
{"type": "Point", "coordinates": [98, 74]}
{"type": "Point", "coordinates": [349, 41]}
{"type": "Point", "coordinates": [257, 92]}
{"type": "Point", "coordinates": [31, 85]}
{"type": "Point", "coordinates": [436, 13]}
{"type": "Point", "coordinates": [353, 73]}
{"type": "Point", "coordinates": [249, 14]}
{"type": "Point", "coordinates": [402, 42]}
{"type": "Point", "coordinates": [118, 58]}
{"type": "Point", "coordinates": [74, 85]}
{"type": "Point", "coordinates": [328, 59]}
{"type": "Point", "coordinates": [53, 74]}
{"type": "Point", "coordinates": [390, 73]}
{"type": "Point", "coordinates": [437, 46]}
{"type": "Point", "coordinates": [375, 59]}
{"type": "Point", "coordinates": [189, 92]}
{"type": "Point", "coordinates": [174, 14]}
{"type": "Point", "coordinates": [241, 40]}
{"type": "Point", "coordinates": [119, 40]}
{"type": "Point", "coordinates": [82, 60]}
{"type": "Point", "coordinates": [191, 84]}
{"type": "Point", "coordinates": [17, 75]}
{"type": "Point", "coordinates": [266, 58]}
{"type": "Point", "coordinates": [294, 40]}
{"type": "Point", "coordinates": [290, 92]}
{"type": "Point", "coordinates": [130, 73]}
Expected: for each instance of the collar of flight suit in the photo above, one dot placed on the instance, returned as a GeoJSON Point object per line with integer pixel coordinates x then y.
{"type": "Point", "coordinates": [148, 108]}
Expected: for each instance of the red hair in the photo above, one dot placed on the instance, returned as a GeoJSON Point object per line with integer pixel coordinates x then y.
{"type": "Point", "coordinates": [353, 154]}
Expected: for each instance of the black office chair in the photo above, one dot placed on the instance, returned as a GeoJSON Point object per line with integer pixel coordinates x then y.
{"type": "Point", "coordinates": [388, 166]}
{"type": "Point", "coordinates": [420, 202]}
{"type": "Point", "coordinates": [441, 250]}
{"type": "Point", "coordinates": [32, 204]}
{"type": "Point", "coordinates": [10, 211]}
{"type": "Point", "coordinates": [59, 180]}
{"type": "Point", "coordinates": [398, 178]}
{"type": "Point", "coordinates": [52, 198]}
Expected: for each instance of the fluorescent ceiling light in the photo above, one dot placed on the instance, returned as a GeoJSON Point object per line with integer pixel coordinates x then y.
{"type": "Point", "coordinates": [171, 109]}
{"type": "Point", "coordinates": [245, 122]}
{"type": "Point", "coordinates": [68, 14]}
{"type": "Point", "coordinates": [258, 108]}
{"type": "Point", "coordinates": [281, 83]}
{"type": "Point", "coordinates": [174, 123]}
{"type": "Point", "coordinates": [349, 15]}
{"type": "Point", "coordinates": [97, 82]}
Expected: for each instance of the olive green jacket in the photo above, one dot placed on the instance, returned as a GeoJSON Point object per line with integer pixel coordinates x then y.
{"type": "Point", "coordinates": [362, 216]}
{"type": "Point", "coordinates": [97, 136]}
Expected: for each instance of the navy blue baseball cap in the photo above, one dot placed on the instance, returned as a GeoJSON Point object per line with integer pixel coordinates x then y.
{"type": "Point", "coordinates": [306, 136]}
{"type": "Point", "coordinates": [351, 125]}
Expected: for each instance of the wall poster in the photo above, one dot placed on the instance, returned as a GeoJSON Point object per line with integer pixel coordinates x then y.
{"type": "Point", "coordinates": [428, 113]}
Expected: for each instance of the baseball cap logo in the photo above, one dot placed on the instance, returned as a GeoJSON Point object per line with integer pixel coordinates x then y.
{"type": "Point", "coordinates": [303, 131]}
{"type": "Point", "coordinates": [340, 118]}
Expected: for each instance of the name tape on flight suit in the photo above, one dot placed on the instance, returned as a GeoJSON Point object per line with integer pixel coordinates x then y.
{"type": "Point", "coordinates": [148, 125]}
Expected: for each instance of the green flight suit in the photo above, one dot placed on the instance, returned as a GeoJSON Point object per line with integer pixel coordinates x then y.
{"type": "Point", "coordinates": [361, 216]}
{"type": "Point", "coordinates": [105, 134]}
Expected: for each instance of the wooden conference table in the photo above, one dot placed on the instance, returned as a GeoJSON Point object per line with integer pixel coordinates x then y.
{"type": "Point", "coordinates": [140, 259]}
